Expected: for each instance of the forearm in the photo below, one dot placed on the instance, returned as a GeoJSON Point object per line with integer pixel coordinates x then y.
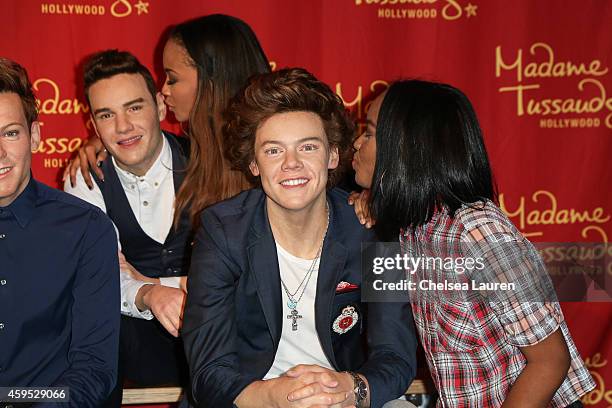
{"type": "Point", "coordinates": [220, 386]}
{"type": "Point", "coordinates": [88, 384]}
{"type": "Point", "coordinates": [130, 293]}
{"type": "Point", "coordinates": [94, 342]}
{"type": "Point", "coordinates": [255, 395]}
{"type": "Point", "coordinates": [391, 363]}
{"type": "Point", "coordinates": [139, 301]}
{"type": "Point", "coordinates": [535, 386]}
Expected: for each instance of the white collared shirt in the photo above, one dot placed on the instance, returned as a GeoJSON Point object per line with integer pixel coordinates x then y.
{"type": "Point", "coordinates": [151, 199]}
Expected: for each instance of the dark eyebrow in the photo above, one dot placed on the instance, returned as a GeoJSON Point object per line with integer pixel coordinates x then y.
{"type": "Point", "coordinates": [125, 105]}
{"type": "Point", "coordinates": [101, 110]}
{"type": "Point", "coordinates": [306, 139]}
{"type": "Point", "coordinates": [12, 124]}
{"type": "Point", "coordinates": [137, 100]}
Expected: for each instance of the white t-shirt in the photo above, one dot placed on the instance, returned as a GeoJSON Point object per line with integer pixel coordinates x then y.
{"type": "Point", "coordinates": [301, 346]}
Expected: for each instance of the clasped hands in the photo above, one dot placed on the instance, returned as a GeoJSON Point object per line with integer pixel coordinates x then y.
{"type": "Point", "coordinates": [303, 386]}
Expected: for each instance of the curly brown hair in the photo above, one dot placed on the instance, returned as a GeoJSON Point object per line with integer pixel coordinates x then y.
{"type": "Point", "coordinates": [286, 90]}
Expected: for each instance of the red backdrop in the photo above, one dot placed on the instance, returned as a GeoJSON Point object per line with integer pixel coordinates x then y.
{"type": "Point", "coordinates": [538, 73]}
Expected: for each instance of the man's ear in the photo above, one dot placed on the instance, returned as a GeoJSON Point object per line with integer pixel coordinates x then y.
{"type": "Point", "coordinates": [254, 168]}
{"type": "Point", "coordinates": [95, 127]}
{"type": "Point", "coordinates": [34, 135]}
{"type": "Point", "coordinates": [161, 106]}
{"type": "Point", "coordinates": [334, 158]}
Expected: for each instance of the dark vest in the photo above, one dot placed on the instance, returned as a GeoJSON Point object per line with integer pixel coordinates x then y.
{"type": "Point", "coordinates": [148, 256]}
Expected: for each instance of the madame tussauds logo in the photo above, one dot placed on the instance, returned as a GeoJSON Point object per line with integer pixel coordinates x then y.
{"type": "Point", "coordinates": [118, 8]}
{"type": "Point", "coordinates": [531, 69]}
{"type": "Point", "coordinates": [421, 9]}
{"type": "Point", "coordinates": [543, 209]}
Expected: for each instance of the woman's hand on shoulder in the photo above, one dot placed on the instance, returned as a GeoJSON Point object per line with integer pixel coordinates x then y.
{"type": "Point", "coordinates": [90, 155]}
{"type": "Point", "coordinates": [361, 203]}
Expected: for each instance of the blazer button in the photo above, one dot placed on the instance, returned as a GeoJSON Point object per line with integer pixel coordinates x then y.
{"type": "Point", "coordinates": [169, 271]}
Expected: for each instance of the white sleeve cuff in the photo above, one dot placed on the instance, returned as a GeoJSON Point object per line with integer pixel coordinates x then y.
{"type": "Point", "coordinates": [129, 290]}
{"type": "Point", "coordinates": [172, 282]}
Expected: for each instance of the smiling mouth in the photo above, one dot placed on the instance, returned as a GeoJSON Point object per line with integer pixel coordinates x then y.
{"type": "Point", "coordinates": [297, 182]}
{"type": "Point", "coordinates": [130, 141]}
{"type": "Point", "coordinates": [4, 170]}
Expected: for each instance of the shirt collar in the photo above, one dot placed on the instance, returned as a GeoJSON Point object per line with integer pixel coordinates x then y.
{"type": "Point", "coordinates": [24, 205]}
{"type": "Point", "coordinates": [158, 171]}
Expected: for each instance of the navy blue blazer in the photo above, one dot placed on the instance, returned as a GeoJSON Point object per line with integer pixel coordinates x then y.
{"type": "Point", "coordinates": [232, 322]}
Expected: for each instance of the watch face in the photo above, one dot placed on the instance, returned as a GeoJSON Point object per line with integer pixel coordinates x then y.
{"type": "Point", "coordinates": [362, 390]}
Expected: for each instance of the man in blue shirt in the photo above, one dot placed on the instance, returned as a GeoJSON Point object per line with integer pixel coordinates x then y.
{"type": "Point", "coordinates": [59, 285]}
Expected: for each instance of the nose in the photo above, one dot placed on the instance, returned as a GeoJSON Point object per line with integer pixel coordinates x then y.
{"type": "Point", "coordinates": [358, 141]}
{"type": "Point", "coordinates": [291, 160]}
{"type": "Point", "coordinates": [165, 91]}
{"type": "Point", "coordinates": [123, 124]}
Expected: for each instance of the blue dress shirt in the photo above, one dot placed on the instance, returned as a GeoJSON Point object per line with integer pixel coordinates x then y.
{"type": "Point", "coordinates": [59, 295]}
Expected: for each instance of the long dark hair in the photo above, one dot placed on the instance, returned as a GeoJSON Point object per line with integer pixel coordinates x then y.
{"type": "Point", "coordinates": [225, 52]}
{"type": "Point", "coordinates": [430, 154]}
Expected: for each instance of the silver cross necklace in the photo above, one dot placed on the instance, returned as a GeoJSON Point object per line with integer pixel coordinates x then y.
{"type": "Point", "coordinates": [292, 302]}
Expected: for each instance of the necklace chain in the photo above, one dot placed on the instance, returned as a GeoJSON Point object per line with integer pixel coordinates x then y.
{"type": "Point", "coordinates": [304, 283]}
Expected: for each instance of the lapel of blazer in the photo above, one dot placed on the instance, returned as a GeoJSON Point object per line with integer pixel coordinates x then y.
{"type": "Point", "coordinates": [333, 259]}
{"type": "Point", "coordinates": [263, 262]}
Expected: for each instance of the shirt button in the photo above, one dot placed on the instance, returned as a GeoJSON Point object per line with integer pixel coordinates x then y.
{"type": "Point", "coordinates": [145, 203]}
{"type": "Point", "coordinates": [133, 186]}
{"type": "Point", "coordinates": [156, 184]}
{"type": "Point", "coordinates": [2, 282]}
{"type": "Point", "coordinates": [125, 304]}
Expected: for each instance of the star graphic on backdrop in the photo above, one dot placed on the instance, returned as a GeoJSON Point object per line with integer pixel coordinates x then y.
{"type": "Point", "coordinates": [470, 10]}
{"type": "Point", "coordinates": [143, 7]}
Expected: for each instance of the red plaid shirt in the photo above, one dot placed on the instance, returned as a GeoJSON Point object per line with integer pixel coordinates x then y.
{"type": "Point", "coordinates": [472, 346]}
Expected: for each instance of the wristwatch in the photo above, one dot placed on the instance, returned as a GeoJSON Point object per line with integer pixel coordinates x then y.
{"type": "Point", "coordinates": [360, 388]}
